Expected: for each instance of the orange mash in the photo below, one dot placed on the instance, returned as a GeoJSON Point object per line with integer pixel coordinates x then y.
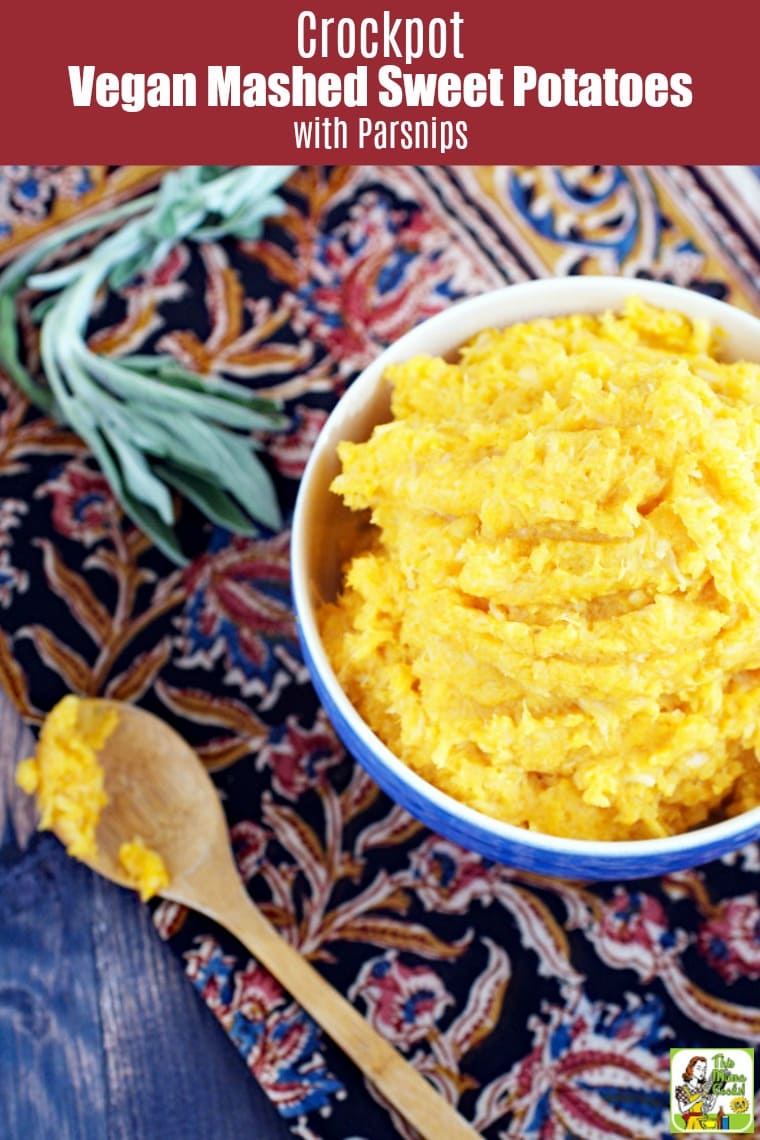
{"type": "Point", "coordinates": [68, 782]}
{"type": "Point", "coordinates": [557, 618]}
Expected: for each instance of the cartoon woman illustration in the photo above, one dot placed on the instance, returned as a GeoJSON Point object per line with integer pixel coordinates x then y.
{"type": "Point", "coordinates": [694, 1096]}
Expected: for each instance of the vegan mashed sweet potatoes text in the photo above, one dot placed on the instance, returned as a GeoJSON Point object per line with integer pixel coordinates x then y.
{"type": "Point", "coordinates": [557, 617]}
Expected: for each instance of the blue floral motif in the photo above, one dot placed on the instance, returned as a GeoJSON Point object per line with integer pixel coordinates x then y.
{"type": "Point", "coordinates": [597, 210]}
{"type": "Point", "coordinates": [593, 1065]}
{"type": "Point", "coordinates": [281, 1044]}
{"type": "Point", "coordinates": [28, 193]}
{"type": "Point", "coordinates": [238, 608]}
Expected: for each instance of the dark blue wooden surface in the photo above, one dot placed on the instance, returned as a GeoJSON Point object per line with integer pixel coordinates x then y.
{"type": "Point", "coordinates": [101, 1035]}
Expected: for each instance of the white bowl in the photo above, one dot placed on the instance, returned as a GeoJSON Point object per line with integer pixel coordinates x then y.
{"type": "Point", "coordinates": [323, 534]}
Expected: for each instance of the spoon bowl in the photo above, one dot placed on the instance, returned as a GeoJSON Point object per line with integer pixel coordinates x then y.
{"type": "Point", "coordinates": [159, 791]}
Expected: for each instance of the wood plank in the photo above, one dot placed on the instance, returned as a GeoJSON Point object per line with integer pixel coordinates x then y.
{"type": "Point", "coordinates": [101, 1035]}
{"type": "Point", "coordinates": [167, 1057]}
{"type": "Point", "coordinates": [52, 1077]}
{"type": "Point", "coordinates": [18, 816]}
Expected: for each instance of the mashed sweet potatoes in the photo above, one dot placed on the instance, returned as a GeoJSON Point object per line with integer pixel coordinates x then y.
{"type": "Point", "coordinates": [557, 617]}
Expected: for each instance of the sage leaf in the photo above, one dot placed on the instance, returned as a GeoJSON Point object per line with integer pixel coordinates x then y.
{"type": "Point", "coordinates": [126, 384]}
{"type": "Point", "coordinates": [167, 370]}
{"type": "Point", "coordinates": [211, 500]}
{"type": "Point", "coordinates": [139, 480]}
{"type": "Point", "coordinates": [151, 424]}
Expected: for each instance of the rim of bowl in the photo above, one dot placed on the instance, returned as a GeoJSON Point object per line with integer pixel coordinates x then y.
{"type": "Point", "coordinates": [563, 290]}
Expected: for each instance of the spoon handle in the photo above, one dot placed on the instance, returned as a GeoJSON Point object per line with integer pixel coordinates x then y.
{"type": "Point", "coordinates": [405, 1088]}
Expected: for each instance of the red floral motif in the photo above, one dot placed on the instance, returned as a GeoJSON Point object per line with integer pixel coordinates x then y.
{"type": "Point", "coordinates": [373, 278]}
{"type": "Point", "coordinates": [280, 1043]}
{"type": "Point", "coordinates": [249, 842]}
{"type": "Point", "coordinates": [634, 931]}
{"type": "Point", "coordinates": [237, 599]}
{"type": "Point", "coordinates": [168, 918]}
{"type": "Point", "coordinates": [256, 992]}
{"type": "Point", "coordinates": [730, 939]}
{"type": "Point", "coordinates": [298, 759]}
{"type": "Point", "coordinates": [590, 1073]}
{"type": "Point", "coordinates": [84, 507]}
{"type": "Point", "coordinates": [290, 452]}
{"type": "Point", "coordinates": [449, 879]}
{"type": "Point", "coordinates": [403, 1002]}
{"type": "Point", "coordinates": [242, 329]}
{"type": "Point", "coordinates": [143, 301]}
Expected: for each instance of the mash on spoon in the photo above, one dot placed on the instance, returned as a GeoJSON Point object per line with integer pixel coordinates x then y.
{"type": "Point", "coordinates": [68, 782]}
{"type": "Point", "coordinates": [557, 617]}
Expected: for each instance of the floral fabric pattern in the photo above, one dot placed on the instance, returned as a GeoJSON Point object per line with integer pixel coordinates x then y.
{"type": "Point", "coordinates": [544, 1009]}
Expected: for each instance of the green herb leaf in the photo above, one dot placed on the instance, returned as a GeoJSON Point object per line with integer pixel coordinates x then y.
{"type": "Point", "coordinates": [168, 371]}
{"type": "Point", "coordinates": [211, 500]}
{"type": "Point", "coordinates": [140, 513]}
{"type": "Point", "coordinates": [150, 423]}
{"type": "Point", "coordinates": [138, 478]}
{"type": "Point", "coordinates": [152, 524]}
{"type": "Point", "coordinates": [124, 383]}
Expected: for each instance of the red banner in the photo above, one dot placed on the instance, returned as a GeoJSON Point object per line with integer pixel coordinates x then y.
{"type": "Point", "coordinates": [470, 81]}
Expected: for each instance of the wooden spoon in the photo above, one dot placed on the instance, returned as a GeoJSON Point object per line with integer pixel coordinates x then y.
{"type": "Point", "coordinates": [158, 790]}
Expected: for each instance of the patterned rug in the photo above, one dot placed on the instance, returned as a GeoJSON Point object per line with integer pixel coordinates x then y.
{"type": "Point", "coordinates": [544, 1009]}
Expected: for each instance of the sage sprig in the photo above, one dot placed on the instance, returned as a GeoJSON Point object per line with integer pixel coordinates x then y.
{"type": "Point", "coordinates": [152, 425]}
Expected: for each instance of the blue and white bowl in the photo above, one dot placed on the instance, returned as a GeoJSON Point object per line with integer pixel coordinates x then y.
{"type": "Point", "coordinates": [323, 532]}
